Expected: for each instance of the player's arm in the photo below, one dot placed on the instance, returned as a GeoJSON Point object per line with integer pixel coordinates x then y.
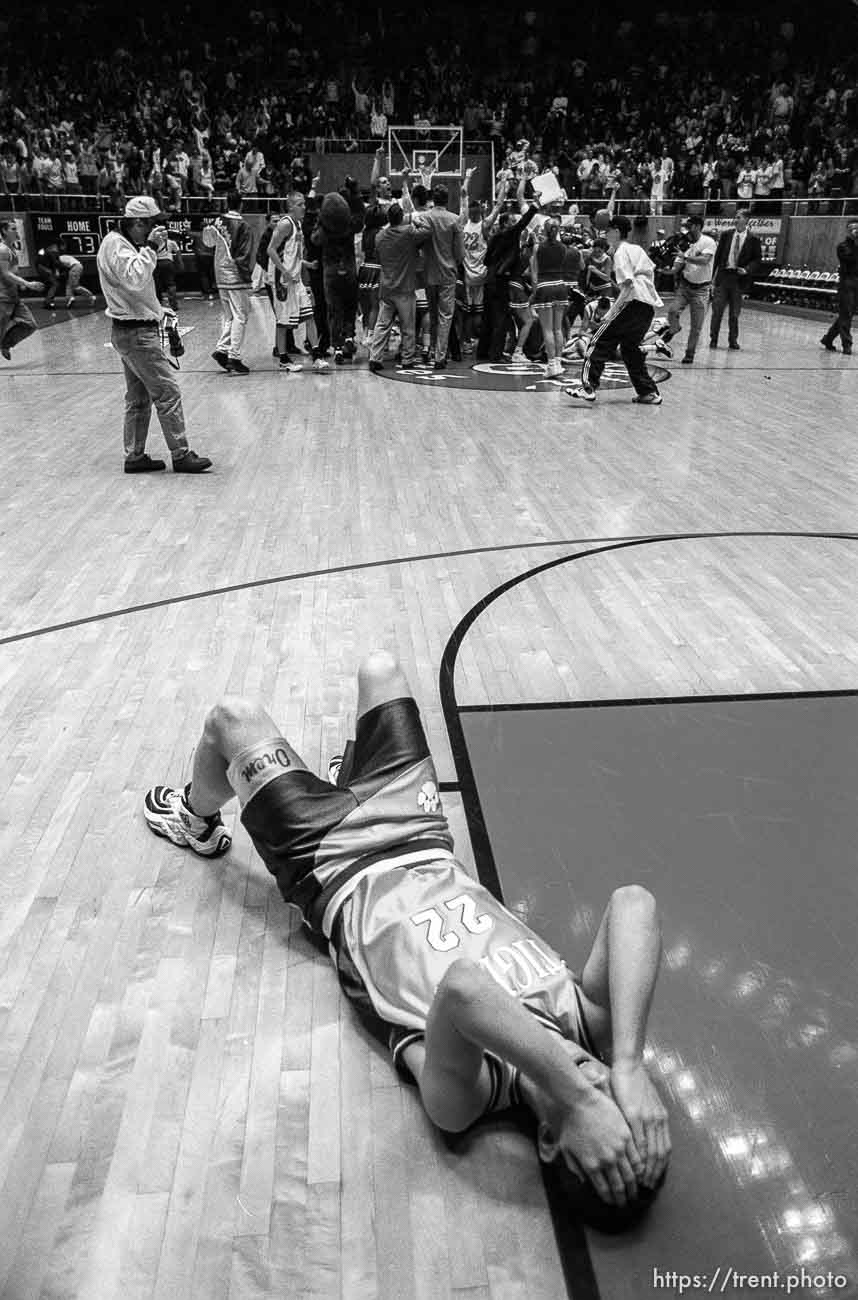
{"type": "Point", "coordinates": [376, 170]}
{"type": "Point", "coordinates": [702, 258]}
{"type": "Point", "coordinates": [407, 202]}
{"type": "Point", "coordinates": [276, 243]}
{"type": "Point", "coordinates": [493, 216]}
{"type": "Point", "coordinates": [617, 987]}
{"type": "Point", "coordinates": [472, 1014]}
{"type": "Point", "coordinates": [463, 197]}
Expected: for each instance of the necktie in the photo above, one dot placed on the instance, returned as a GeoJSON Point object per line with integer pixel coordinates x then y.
{"type": "Point", "coordinates": [734, 252]}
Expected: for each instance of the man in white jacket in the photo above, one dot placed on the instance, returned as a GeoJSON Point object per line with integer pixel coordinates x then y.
{"type": "Point", "coordinates": [126, 269]}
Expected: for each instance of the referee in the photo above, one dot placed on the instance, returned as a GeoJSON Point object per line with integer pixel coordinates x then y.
{"type": "Point", "coordinates": [126, 268]}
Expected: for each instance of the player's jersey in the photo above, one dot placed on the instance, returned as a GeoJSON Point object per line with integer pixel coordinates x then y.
{"type": "Point", "coordinates": [403, 926]}
{"type": "Point", "coordinates": [474, 241]}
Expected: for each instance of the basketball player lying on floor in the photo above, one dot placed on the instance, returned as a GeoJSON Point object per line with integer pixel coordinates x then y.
{"type": "Point", "coordinates": [482, 1012]}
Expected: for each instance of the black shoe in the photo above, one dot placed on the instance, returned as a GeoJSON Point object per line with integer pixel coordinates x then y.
{"type": "Point", "coordinates": [425, 356]}
{"type": "Point", "coordinates": [237, 367]}
{"type": "Point", "coordinates": [376, 366]}
{"type": "Point", "coordinates": [827, 344]}
{"type": "Point", "coordinates": [847, 352]}
{"type": "Point", "coordinates": [734, 347]}
{"type": "Point", "coordinates": [191, 463]}
{"type": "Point", "coordinates": [339, 359]}
{"type": "Point", "coordinates": [222, 359]}
{"type": "Point", "coordinates": [349, 349]}
{"type": "Point", "coordinates": [275, 353]}
{"type": "Point", "coordinates": [440, 365]}
{"type": "Point", "coordinates": [713, 343]}
{"type": "Point", "coordinates": [688, 359]}
{"type": "Point", "coordinates": [5, 354]}
{"type": "Point", "coordinates": [143, 465]}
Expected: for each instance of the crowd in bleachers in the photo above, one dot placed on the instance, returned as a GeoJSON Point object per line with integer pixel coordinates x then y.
{"type": "Point", "coordinates": [681, 102]}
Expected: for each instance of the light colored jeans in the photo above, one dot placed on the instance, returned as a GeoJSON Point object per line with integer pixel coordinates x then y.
{"type": "Point", "coordinates": [149, 381]}
{"type": "Point", "coordinates": [404, 306]}
{"type": "Point", "coordinates": [235, 310]}
{"type": "Point", "coordinates": [695, 297]}
{"type": "Point", "coordinates": [442, 303]}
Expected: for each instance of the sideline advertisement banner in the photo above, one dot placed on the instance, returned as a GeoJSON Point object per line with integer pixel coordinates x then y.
{"type": "Point", "coordinates": [767, 230]}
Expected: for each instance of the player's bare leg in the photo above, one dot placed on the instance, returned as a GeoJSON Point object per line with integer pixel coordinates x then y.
{"type": "Point", "coordinates": [238, 737]}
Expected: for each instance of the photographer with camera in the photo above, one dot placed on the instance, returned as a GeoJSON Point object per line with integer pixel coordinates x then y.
{"type": "Point", "coordinates": [126, 269]}
{"type": "Point", "coordinates": [847, 292]}
{"type": "Point", "coordinates": [692, 268]}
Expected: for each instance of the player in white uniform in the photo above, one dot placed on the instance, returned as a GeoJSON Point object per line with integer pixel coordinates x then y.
{"type": "Point", "coordinates": [291, 299]}
{"type": "Point", "coordinates": [470, 289]}
{"type": "Point", "coordinates": [481, 1011]}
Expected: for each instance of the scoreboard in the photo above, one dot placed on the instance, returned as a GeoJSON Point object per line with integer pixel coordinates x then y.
{"type": "Point", "coordinates": [80, 233]}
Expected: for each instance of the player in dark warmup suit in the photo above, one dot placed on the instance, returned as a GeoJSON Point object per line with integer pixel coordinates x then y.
{"type": "Point", "coordinates": [481, 1011]}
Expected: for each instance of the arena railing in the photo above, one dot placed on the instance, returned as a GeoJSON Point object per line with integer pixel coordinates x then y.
{"type": "Point", "coordinates": [193, 204]}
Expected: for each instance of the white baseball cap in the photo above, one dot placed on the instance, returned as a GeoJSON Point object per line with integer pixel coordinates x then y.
{"type": "Point", "coordinates": [142, 206]}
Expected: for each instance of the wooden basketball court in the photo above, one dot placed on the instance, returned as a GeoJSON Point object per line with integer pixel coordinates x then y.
{"type": "Point", "coordinates": [188, 1108]}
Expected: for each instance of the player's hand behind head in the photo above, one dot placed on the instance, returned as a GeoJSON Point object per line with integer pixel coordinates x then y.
{"type": "Point", "coordinates": [596, 1144]}
{"type": "Point", "coordinates": [645, 1113]}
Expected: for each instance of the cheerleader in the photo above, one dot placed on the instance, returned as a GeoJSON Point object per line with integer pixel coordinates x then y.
{"type": "Point", "coordinates": [550, 295]}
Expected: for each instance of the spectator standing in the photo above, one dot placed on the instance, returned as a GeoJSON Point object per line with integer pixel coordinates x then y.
{"type": "Point", "coordinates": [126, 263]}
{"type": "Point", "coordinates": [340, 218]}
{"type": "Point", "coordinates": [247, 176]}
{"type": "Point", "coordinates": [16, 320]}
{"type": "Point", "coordinates": [847, 292]}
{"type": "Point", "coordinates": [396, 248]}
{"type": "Point", "coordinates": [232, 240]}
{"type": "Point", "coordinates": [693, 271]}
{"type": "Point", "coordinates": [444, 252]}
{"type": "Point", "coordinates": [738, 259]}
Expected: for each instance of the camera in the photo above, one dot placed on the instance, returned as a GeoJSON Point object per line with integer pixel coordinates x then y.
{"type": "Point", "coordinates": [664, 251]}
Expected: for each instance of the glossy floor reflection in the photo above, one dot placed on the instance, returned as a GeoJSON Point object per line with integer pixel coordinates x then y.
{"type": "Point", "coordinates": [742, 817]}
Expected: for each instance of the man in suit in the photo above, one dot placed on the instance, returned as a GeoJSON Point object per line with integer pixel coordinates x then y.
{"type": "Point", "coordinates": [738, 259]}
{"type": "Point", "coordinates": [847, 292]}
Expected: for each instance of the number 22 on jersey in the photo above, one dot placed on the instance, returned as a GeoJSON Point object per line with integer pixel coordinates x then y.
{"type": "Point", "coordinates": [443, 940]}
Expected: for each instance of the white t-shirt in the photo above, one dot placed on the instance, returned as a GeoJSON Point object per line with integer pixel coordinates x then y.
{"type": "Point", "coordinates": [700, 272]}
{"type": "Point", "coordinates": [631, 262]}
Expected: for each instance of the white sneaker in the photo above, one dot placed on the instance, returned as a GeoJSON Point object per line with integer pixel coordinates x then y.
{"type": "Point", "coordinates": [554, 368]}
{"type": "Point", "coordinates": [518, 358]}
{"type": "Point", "coordinates": [581, 393]}
{"type": "Point", "coordinates": [321, 365]}
{"type": "Point", "coordinates": [649, 399]}
{"type": "Point", "coordinates": [291, 367]}
{"type": "Point", "coordinates": [167, 814]}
